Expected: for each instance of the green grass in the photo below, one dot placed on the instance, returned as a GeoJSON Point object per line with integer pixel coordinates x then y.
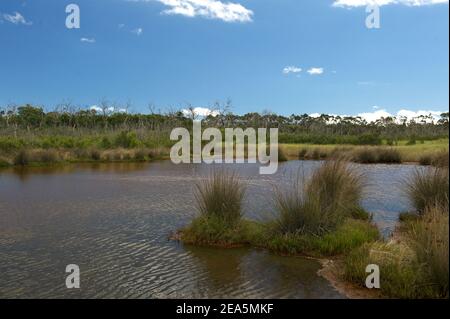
{"type": "Point", "coordinates": [318, 205]}
{"type": "Point", "coordinates": [408, 153]}
{"type": "Point", "coordinates": [324, 221]}
{"type": "Point", "coordinates": [428, 187]}
{"type": "Point", "coordinates": [220, 196]}
{"type": "Point", "coordinates": [349, 235]}
{"type": "Point", "coordinates": [213, 231]}
{"type": "Point", "coordinates": [429, 238]}
{"type": "Point", "coordinates": [400, 273]}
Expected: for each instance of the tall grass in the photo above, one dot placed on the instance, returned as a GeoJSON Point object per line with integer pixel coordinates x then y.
{"type": "Point", "coordinates": [429, 238]}
{"type": "Point", "coordinates": [371, 155]}
{"type": "Point", "coordinates": [320, 204]}
{"type": "Point", "coordinates": [221, 196]}
{"type": "Point", "coordinates": [428, 187]}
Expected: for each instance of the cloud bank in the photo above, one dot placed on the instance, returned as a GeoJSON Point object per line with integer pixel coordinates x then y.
{"type": "Point", "coordinates": [360, 3]}
{"type": "Point", "coordinates": [399, 117]}
{"type": "Point", "coordinates": [210, 9]}
{"type": "Point", "coordinates": [315, 71]}
{"type": "Point", "coordinates": [200, 111]}
{"type": "Point", "coordinates": [15, 18]}
{"type": "Point", "coordinates": [291, 69]}
{"type": "Point", "coordinates": [88, 40]}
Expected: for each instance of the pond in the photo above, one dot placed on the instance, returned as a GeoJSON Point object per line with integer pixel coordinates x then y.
{"type": "Point", "coordinates": [113, 221]}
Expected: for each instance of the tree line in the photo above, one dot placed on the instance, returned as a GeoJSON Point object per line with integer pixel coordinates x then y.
{"type": "Point", "coordinates": [296, 128]}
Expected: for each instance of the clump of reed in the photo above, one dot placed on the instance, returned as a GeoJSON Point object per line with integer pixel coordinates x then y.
{"type": "Point", "coordinates": [370, 155]}
{"type": "Point", "coordinates": [400, 272]}
{"type": "Point", "coordinates": [302, 153]}
{"type": "Point", "coordinates": [440, 160]}
{"type": "Point", "coordinates": [416, 266]}
{"type": "Point", "coordinates": [219, 201]}
{"type": "Point", "coordinates": [320, 204]}
{"type": "Point", "coordinates": [428, 187]}
{"type": "Point", "coordinates": [429, 238]}
{"type": "Point", "coordinates": [44, 156]}
{"type": "Point", "coordinates": [221, 196]}
{"type": "Point", "coordinates": [22, 158]}
{"type": "Point", "coordinates": [282, 157]}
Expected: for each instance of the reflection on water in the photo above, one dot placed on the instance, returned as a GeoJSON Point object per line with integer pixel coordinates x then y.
{"type": "Point", "coordinates": [113, 220]}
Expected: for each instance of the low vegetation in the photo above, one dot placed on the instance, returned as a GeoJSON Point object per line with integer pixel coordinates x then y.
{"type": "Point", "coordinates": [415, 263]}
{"type": "Point", "coordinates": [322, 219]}
{"type": "Point", "coordinates": [428, 187]}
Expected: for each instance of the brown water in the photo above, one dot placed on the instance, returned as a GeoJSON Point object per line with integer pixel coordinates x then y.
{"type": "Point", "coordinates": [113, 220]}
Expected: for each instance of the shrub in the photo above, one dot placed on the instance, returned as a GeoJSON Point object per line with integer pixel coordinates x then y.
{"type": "Point", "coordinates": [302, 153]}
{"type": "Point", "coordinates": [105, 143]}
{"type": "Point", "coordinates": [332, 194]}
{"type": "Point", "coordinates": [425, 159]}
{"type": "Point", "coordinates": [281, 155]}
{"type": "Point", "coordinates": [429, 238]}
{"type": "Point", "coordinates": [220, 196]}
{"type": "Point", "coordinates": [428, 187]}
{"type": "Point", "coordinates": [126, 140]}
{"type": "Point", "coordinates": [389, 156]}
{"type": "Point", "coordinates": [95, 154]}
{"type": "Point", "coordinates": [315, 155]}
{"type": "Point", "coordinates": [4, 162]}
{"type": "Point", "coordinates": [440, 160]}
{"type": "Point", "coordinates": [22, 158]}
{"type": "Point", "coordinates": [369, 139]}
{"type": "Point", "coordinates": [139, 155]}
{"type": "Point", "coordinates": [401, 274]}
{"type": "Point", "coordinates": [365, 156]}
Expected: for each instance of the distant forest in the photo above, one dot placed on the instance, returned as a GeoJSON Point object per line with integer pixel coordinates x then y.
{"type": "Point", "coordinates": [301, 128]}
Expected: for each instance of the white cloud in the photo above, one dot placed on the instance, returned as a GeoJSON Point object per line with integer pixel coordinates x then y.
{"type": "Point", "coordinates": [315, 71]}
{"type": "Point", "coordinates": [108, 110]}
{"type": "Point", "coordinates": [402, 114]}
{"type": "Point", "coordinates": [373, 116]}
{"type": "Point", "coordinates": [16, 18]}
{"type": "Point", "coordinates": [88, 40]}
{"type": "Point", "coordinates": [200, 111]}
{"type": "Point", "coordinates": [96, 108]}
{"type": "Point", "coordinates": [137, 31]}
{"type": "Point", "coordinates": [210, 9]}
{"type": "Point", "coordinates": [360, 3]}
{"type": "Point", "coordinates": [291, 69]}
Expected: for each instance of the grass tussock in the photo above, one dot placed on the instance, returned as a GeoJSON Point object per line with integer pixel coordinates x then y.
{"type": "Point", "coordinates": [414, 267]}
{"type": "Point", "coordinates": [429, 238]}
{"type": "Point", "coordinates": [323, 219]}
{"type": "Point", "coordinates": [221, 196]}
{"type": "Point", "coordinates": [373, 155]}
{"type": "Point", "coordinates": [318, 206]}
{"type": "Point", "coordinates": [399, 270]}
{"type": "Point", "coordinates": [428, 187]}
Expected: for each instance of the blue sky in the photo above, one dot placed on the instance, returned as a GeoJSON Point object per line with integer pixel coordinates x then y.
{"type": "Point", "coordinates": [173, 52]}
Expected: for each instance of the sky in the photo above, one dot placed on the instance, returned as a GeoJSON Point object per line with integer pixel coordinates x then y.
{"type": "Point", "coordinates": [286, 56]}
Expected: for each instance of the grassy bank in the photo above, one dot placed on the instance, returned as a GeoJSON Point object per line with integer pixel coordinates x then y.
{"type": "Point", "coordinates": [415, 263]}
{"type": "Point", "coordinates": [317, 217]}
{"type": "Point", "coordinates": [86, 146]}
{"type": "Point", "coordinates": [62, 145]}
{"type": "Point", "coordinates": [321, 217]}
{"type": "Point", "coordinates": [426, 153]}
